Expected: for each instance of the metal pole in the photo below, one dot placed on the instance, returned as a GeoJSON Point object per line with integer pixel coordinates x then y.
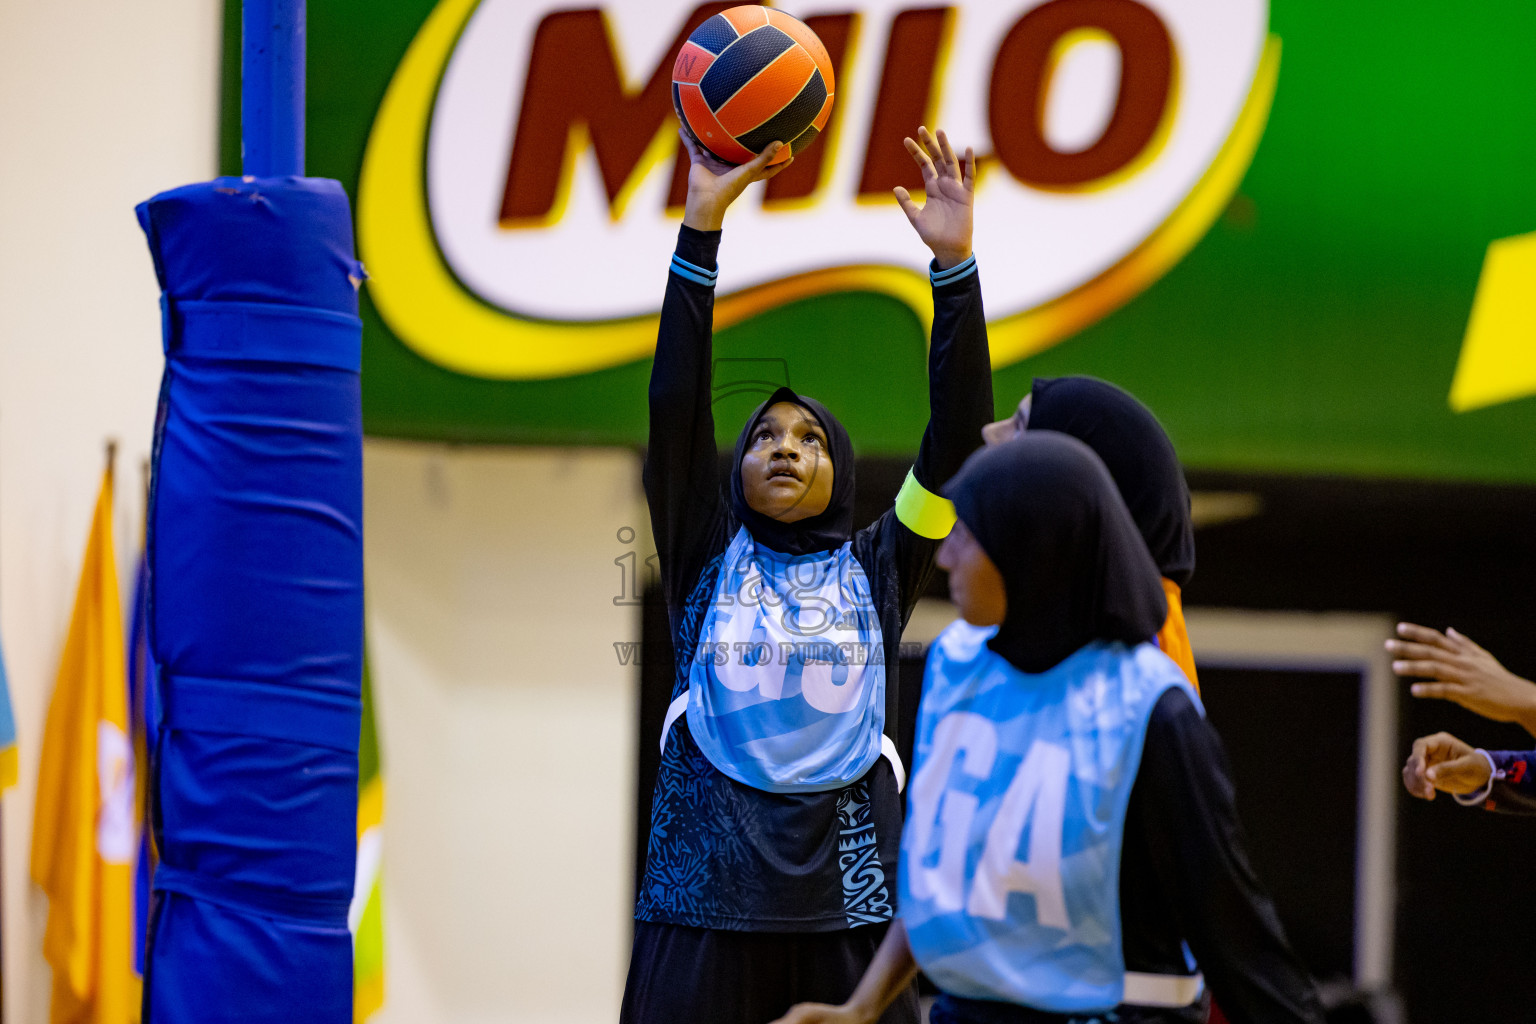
{"type": "Point", "coordinates": [272, 88]}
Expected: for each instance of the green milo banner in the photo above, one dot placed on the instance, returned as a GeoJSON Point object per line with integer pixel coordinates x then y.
{"type": "Point", "coordinates": [1303, 232]}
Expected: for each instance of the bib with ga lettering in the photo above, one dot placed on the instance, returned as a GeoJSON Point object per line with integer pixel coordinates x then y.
{"type": "Point", "coordinates": [786, 692]}
{"type": "Point", "coordinates": [1010, 860]}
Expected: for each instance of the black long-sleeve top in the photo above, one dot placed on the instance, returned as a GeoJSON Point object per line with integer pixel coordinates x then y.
{"type": "Point", "coordinates": [722, 854]}
{"type": "Point", "coordinates": [1185, 878]}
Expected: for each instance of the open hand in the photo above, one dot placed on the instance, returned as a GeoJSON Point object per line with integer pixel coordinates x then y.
{"type": "Point", "coordinates": [944, 222]}
{"type": "Point", "coordinates": [1462, 672]}
{"type": "Point", "coordinates": [821, 1013]}
{"type": "Point", "coordinates": [714, 185]}
{"type": "Point", "coordinates": [1445, 763]}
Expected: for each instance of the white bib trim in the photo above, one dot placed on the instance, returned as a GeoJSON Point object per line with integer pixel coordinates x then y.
{"type": "Point", "coordinates": [1170, 991]}
{"type": "Point", "coordinates": [888, 751]}
{"type": "Point", "coordinates": [675, 710]}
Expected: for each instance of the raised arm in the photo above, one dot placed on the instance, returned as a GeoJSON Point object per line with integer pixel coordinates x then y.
{"type": "Point", "coordinates": [1184, 805]}
{"type": "Point", "coordinates": [959, 365]}
{"type": "Point", "coordinates": [681, 475]}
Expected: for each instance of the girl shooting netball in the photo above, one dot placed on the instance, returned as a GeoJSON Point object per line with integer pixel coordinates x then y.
{"type": "Point", "coordinates": [776, 819]}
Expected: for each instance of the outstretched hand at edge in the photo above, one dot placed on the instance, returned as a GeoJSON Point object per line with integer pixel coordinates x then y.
{"type": "Point", "coordinates": [714, 185]}
{"type": "Point", "coordinates": [944, 222]}
{"type": "Point", "coordinates": [1459, 670]}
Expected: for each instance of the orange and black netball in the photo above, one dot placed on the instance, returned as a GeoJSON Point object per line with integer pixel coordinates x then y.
{"type": "Point", "coordinates": [751, 76]}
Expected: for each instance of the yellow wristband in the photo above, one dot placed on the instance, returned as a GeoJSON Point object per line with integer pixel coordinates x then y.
{"type": "Point", "coordinates": [923, 512]}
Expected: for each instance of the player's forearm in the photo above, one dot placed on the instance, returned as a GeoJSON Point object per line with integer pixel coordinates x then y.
{"type": "Point", "coordinates": [1525, 714]}
{"type": "Point", "coordinates": [891, 971]}
{"type": "Point", "coordinates": [680, 370]}
{"type": "Point", "coordinates": [959, 376]}
{"type": "Point", "coordinates": [705, 215]}
{"type": "Point", "coordinates": [680, 462]}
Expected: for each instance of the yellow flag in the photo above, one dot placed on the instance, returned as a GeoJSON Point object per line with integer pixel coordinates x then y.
{"type": "Point", "coordinates": [83, 832]}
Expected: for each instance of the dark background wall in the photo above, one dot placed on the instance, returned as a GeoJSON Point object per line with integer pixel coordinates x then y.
{"type": "Point", "coordinates": [1440, 554]}
{"type": "Point", "coordinates": [1291, 740]}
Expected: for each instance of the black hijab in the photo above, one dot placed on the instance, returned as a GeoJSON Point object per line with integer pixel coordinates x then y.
{"type": "Point", "coordinates": [1074, 566]}
{"type": "Point", "coordinates": [1137, 453]}
{"type": "Point", "coordinates": [825, 531]}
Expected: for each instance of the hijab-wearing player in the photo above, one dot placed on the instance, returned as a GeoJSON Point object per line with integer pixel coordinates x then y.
{"type": "Point", "coordinates": [776, 822]}
{"type": "Point", "coordinates": [1138, 454]}
{"type": "Point", "coordinates": [1070, 822]}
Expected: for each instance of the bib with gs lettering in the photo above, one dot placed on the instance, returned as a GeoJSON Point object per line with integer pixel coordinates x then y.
{"type": "Point", "coordinates": [786, 692]}
{"type": "Point", "coordinates": [1010, 860]}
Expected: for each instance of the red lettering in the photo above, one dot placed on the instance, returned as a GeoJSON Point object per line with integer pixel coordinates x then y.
{"type": "Point", "coordinates": [574, 79]}
{"type": "Point", "coordinates": [905, 99]}
{"type": "Point", "coordinates": [1019, 83]}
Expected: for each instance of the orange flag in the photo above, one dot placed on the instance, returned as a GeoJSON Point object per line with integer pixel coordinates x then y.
{"type": "Point", "coordinates": [83, 830]}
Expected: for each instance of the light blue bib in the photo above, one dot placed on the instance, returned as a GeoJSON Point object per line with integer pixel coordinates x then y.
{"type": "Point", "coordinates": [1010, 861]}
{"type": "Point", "coordinates": [786, 692]}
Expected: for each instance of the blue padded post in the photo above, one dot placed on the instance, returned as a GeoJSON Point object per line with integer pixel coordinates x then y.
{"type": "Point", "coordinates": [255, 603]}
{"type": "Point", "coordinates": [272, 87]}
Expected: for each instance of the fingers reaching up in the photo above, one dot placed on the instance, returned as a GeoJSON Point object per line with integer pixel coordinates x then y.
{"type": "Point", "coordinates": [944, 221]}
{"type": "Point", "coordinates": [925, 160]}
{"type": "Point", "coordinates": [936, 159]}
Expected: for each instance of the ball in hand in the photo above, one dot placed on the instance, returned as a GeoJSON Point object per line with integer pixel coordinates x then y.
{"type": "Point", "coordinates": [750, 76]}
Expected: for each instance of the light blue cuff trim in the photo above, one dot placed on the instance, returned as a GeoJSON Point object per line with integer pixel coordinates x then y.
{"type": "Point", "coordinates": [691, 272]}
{"type": "Point", "coordinates": [955, 273]}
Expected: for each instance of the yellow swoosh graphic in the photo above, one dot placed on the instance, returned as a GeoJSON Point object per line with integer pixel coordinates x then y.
{"type": "Point", "coordinates": [435, 316]}
{"type": "Point", "coordinates": [1498, 354]}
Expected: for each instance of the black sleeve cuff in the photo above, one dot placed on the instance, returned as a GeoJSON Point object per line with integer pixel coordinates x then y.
{"type": "Point", "coordinates": [699, 248]}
